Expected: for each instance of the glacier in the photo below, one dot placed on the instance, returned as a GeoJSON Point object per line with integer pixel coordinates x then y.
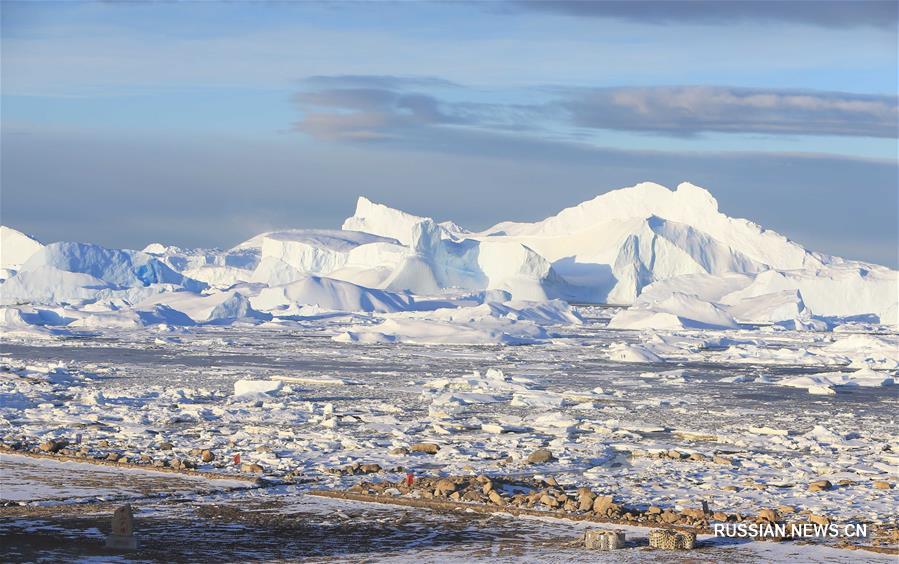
{"type": "Point", "coordinates": [669, 258]}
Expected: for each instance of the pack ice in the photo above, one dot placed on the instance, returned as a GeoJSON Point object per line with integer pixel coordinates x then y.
{"type": "Point", "coordinates": [669, 255]}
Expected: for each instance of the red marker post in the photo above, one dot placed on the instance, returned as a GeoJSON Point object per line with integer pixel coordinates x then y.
{"type": "Point", "coordinates": [409, 479]}
{"type": "Point", "coordinates": [236, 458]}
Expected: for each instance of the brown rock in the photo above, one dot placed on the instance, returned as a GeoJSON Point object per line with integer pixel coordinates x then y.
{"type": "Point", "coordinates": [786, 509]}
{"type": "Point", "coordinates": [653, 510]}
{"type": "Point", "coordinates": [550, 481]}
{"type": "Point", "coordinates": [694, 513]}
{"type": "Point", "coordinates": [427, 448]}
{"type": "Point", "coordinates": [445, 486]}
{"type": "Point", "coordinates": [540, 456]}
{"type": "Point", "coordinates": [719, 516]}
{"type": "Point", "coordinates": [669, 516]}
{"type": "Point", "coordinates": [53, 445]}
{"type": "Point", "coordinates": [487, 487]}
{"type": "Point", "coordinates": [675, 454]}
{"type": "Point", "coordinates": [399, 451]}
{"type": "Point", "coordinates": [370, 468]}
{"type": "Point", "coordinates": [570, 505]}
{"type": "Point", "coordinates": [717, 459]}
{"type": "Point", "coordinates": [251, 468]}
{"type": "Point", "coordinates": [768, 515]}
{"type": "Point", "coordinates": [819, 519]}
{"type": "Point", "coordinates": [881, 485]}
{"type": "Point", "coordinates": [455, 496]}
{"type": "Point", "coordinates": [585, 500]}
{"type": "Point", "coordinates": [165, 446]}
{"type": "Point", "coordinates": [820, 485]}
{"type": "Point", "coordinates": [697, 457]}
{"type": "Point", "coordinates": [601, 504]}
{"type": "Point", "coordinates": [207, 456]}
{"type": "Point", "coordinates": [549, 501]}
{"type": "Point", "coordinates": [496, 498]}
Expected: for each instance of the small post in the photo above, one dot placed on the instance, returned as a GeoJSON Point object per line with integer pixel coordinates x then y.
{"type": "Point", "coordinates": [410, 477]}
{"type": "Point", "coordinates": [122, 535]}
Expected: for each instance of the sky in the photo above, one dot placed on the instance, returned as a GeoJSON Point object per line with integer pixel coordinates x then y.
{"type": "Point", "coordinates": [205, 123]}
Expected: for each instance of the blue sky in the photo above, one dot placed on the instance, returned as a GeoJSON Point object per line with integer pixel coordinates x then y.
{"type": "Point", "coordinates": [203, 123]}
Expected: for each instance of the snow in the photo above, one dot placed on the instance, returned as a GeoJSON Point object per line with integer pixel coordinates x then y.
{"type": "Point", "coordinates": [816, 383]}
{"type": "Point", "coordinates": [328, 294]}
{"type": "Point", "coordinates": [16, 248]}
{"type": "Point", "coordinates": [256, 387]}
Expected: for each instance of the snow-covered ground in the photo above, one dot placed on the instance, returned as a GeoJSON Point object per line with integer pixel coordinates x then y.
{"type": "Point", "coordinates": [765, 366]}
{"type": "Point", "coordinates": [603, 401]}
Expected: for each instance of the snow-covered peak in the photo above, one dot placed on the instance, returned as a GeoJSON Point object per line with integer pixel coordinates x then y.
{"type": "Point", "coordinates": [155, 249]}
{"type": "Point", "coordinates": [382, 220]}
{"type": "Point", "coordinates": [688, 204]}
{"type": "Point", "coordinates": [16, 247]}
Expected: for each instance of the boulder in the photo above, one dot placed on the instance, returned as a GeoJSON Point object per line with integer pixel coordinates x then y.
{"type": "Point", "coordinates": [819, 486]}
{"type": "Point", "coordinates": [427, 448]}
{"type": "Point", "coordinates": [540, 456]}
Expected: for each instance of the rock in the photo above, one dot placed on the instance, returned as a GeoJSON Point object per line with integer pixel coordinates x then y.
{"type": "Point", "coordinates": [549, 501]}
{"type": "Point", "coordinates": [697, 457]}
{"type": "Point", "coordinates": [570, 505]}
{"type": "Point", "coordinates": [717, 459]}
{"type": "Point", "coordinates": [370, 468]}
{"type": "Point", "coordinates": [786, 509]}
{"type": "Point", "coordinates": [473, 495]}
{"type": "Point", "coordinates": [820, 485]}
{"type": "Point", "coordinates": [719, 516]}
{"type": "Point", "coordinates": [103, 443]}
{"type": "Point", "coordinates": [399, 451]}
{"type": "Point", "coordinates": [653, 510]}
{"type": "Point", "coordinates": [112, 457]}
{"type": "Point", "coordinates": [445, 486]}
{"type": "Point", "coordinates": [53, 445]}
{"type": "Point", "coordinates": [669, 516]}
{"type": "Point", "coordinates": [165, 446]}
{"type": "Point", "coordinates": [672, 540]}
{"type": "Point", "coordinates": [207, 456]}
{"type": "Point", "coordinates": [882, 485]}
{"type": "Point", "coordinates": [550, 481]}
{"type": "Point", "coordinates": [251, 468]}
{"type": "Point", "coordinates": [676, 455]}
{"type": "Point", "coordinates": [694, 513]}
{"type": "Point", "coordinates": [768, 515]}
{"type": "Point", "coordinates": [599, 539]}
{"type": "Point", "coordinates": [496, 498]}
{"type": "Point", "coordinates": [455, 496]}
{"type": "Point", "coordinates": [427, 448]}
{"type": "Point", "coordinates": [819, 519]}
{"type": "Point", "coordinates": [585, 499]}
{"type": "Point", "coordinates": [122, 533]}
{"type": "Point", "coordinates": [122, 460]}
{"type": "Point", "coordinates": [540, 456]}
{"type": "Point", "coordinates": [602, 503]}
{"type": "Point", "coordinates": [730, 488]}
